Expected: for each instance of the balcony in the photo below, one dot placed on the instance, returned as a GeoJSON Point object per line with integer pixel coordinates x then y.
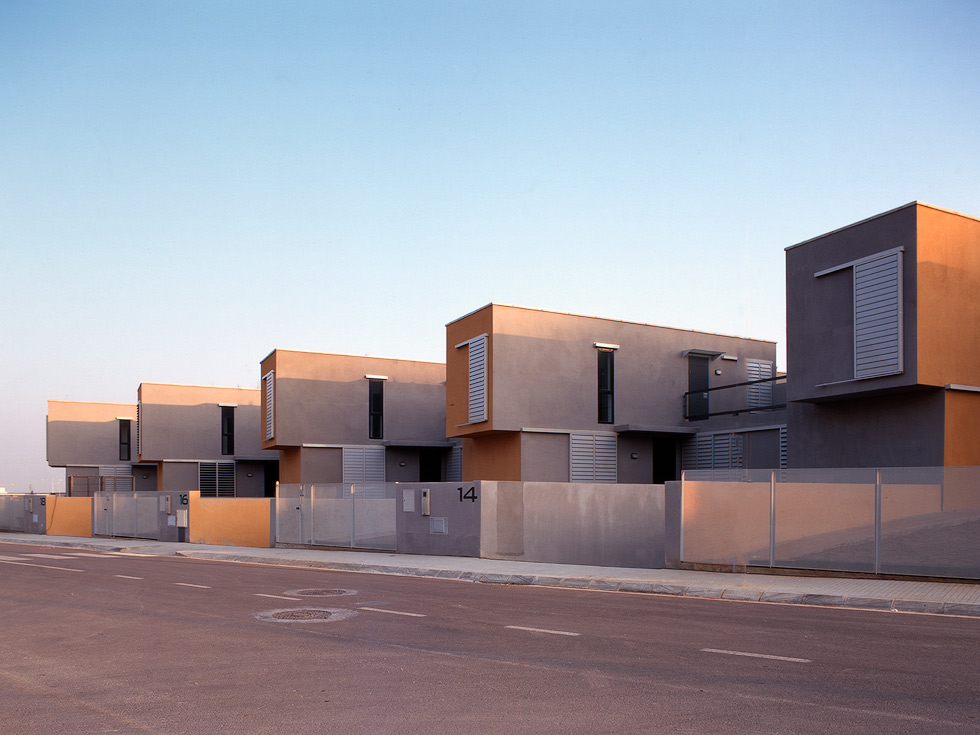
{"type": "Point", "coordinates": [754, 396]}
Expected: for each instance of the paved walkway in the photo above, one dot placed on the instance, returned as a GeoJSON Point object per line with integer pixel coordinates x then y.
{"type": "Point", "coordinates": [949, 598]}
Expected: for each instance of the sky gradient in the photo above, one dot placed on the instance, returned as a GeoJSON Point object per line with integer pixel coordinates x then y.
{"type": "Point", "coordinates": [186, 186]}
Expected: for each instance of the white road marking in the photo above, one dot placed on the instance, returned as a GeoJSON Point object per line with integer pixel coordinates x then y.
{"type": "Point", "coordinates": [541, 630]}
{"type": "Point", "coordinates": [758, 655]}
{"type": "Point", "coordinates": [393, 612]}
{"type": "Point", "coordinates": [126, 576]}
{"type": "Point", "coordinates": [48, 556]}
{"type": "Point", "coordinates": [10, 558]}
{"type": "Point", "coordinates": [198, 586]}
{"type": "Point", "coordinates": [277, 597]}
{"type": "Point", "coordinates": [41, 566]}
{"type": "Point", "coordinates": [90, 556]}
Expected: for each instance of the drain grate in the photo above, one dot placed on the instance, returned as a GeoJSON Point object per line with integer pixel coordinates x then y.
{"type": "Point", "coordinates": [306, 615]}
{"type": "Point", "coordinates": [321, 592]}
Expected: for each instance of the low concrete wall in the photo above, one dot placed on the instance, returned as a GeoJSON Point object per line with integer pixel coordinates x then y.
{"type": "Point", "coordinates": [69, 516]}
{"type": "Point", "coordinates": [452, 527]}
{"type": "Point", "coordinates": [572, 523]}
{"type": "Point", "coordinates": [232, 521]}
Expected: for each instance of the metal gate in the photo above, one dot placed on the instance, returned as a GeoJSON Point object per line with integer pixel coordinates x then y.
{"type": "Point", "coordinates": [130, 514]}
{"type": "Point", "coordinates": [355, 516]}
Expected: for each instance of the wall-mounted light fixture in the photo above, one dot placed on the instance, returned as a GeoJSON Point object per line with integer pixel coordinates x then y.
{"type": "Point", "coordinates": [402, 463]}
{"type": "Point", "coordinates": [634, 455]}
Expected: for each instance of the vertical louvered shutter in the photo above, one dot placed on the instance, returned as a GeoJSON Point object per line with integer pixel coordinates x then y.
{"type": "Point", "coordinates": [216, 479]}
{"type": "Point", "coordinates": [878, 317]}
{"type": "Point", "coordinates": [139, 434]}
{"type": "Point", "coordinates": [760, 394]}
{"type": "Point", "coordinates": [593, 458]}
{"type": "Point", "coordinates": [477, 380]}
{"type": "Point", "coordinates": [268, 383]}
{"type": "Point", "coordinates": [364, 464]}
{"type": "Point", "coordinates": [783, 449]}
{"type": "Point", "coordinates": [454, 468]}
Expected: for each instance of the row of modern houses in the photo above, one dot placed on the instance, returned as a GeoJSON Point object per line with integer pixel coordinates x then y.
{"type": "Point", "coordinates": [882, 351]}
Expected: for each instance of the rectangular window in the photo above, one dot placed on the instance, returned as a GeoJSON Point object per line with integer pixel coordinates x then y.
{"type": "Point", "coordinates": [125, 433]}
{"type": "Point", "coordinates": [227, 429]}
{"type": "Point", "coordinates": [376, 409]}
{"type": "Point", "coordinates": [606, 412]}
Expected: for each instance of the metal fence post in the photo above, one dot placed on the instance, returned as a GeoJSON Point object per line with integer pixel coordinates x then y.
{"type": "Point", "coordinates": [877, 520]}
{"type": "Point", "coordinates": [772, 519]}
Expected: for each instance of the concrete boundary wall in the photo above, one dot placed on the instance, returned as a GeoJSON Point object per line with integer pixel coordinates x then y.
{"type": "Point", "coordinates": [69, 516]}
{"type": "Point", "coordinates": [232, 521]}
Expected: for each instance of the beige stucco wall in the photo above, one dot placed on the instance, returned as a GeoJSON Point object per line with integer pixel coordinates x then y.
{"type": "Point", "coordinates": [948, 263]}
{"type": "Point", "coordinates": [69, 516]}
{"type": "Point", "coordinates": [232, 521]}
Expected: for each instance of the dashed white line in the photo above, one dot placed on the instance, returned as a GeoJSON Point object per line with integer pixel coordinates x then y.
{"type": "Point", "coordinates": [542, 630]}
{"type": "Point", "coordinates": [47, 556]}
{"type": "Point", "coordinates": [393, 612]}
{"type": "Point", "coordinates": [188, 584]}
{"type": "Point", "coordinates": [90, 556]}
{"type": "Point", "coordinates": [41, 566]}
{"type": "Point", "coordinates": [278, 597]}
{"type": "Point", "coordinates": [758, 655]}
{"type": "Point", "coordinates": [126, 576]}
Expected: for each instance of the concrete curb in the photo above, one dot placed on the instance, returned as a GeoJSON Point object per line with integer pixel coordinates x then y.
{"type": "Point", "coordinates": [741, 594]}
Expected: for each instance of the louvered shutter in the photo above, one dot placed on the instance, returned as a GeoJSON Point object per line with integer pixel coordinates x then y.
{"type": "Point", "coordinates": [225, 480]}
{"type": "Point", "coordinates": [759, 394]}
{"type": "Point", "coordinates": [364, 464]}
{"type": "Point", "coordinates": [454, 468]}
{"type": "Point", "coordinates": [207, 479]}
{"type": "Point", "coordinates": [268, 381]}
{"type": "Point", "coordinates": [592, 457]}
{"type": "Point", "coordinates": [783, 449]}
{"type": "Point", "coordinates": [878, 317]}
{"type": "Point", "coordinates": [477, 380]}
{"type": "Point", "coordinates": [139, 434]}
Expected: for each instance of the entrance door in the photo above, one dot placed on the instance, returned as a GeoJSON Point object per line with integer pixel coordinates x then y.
{"type": "Point", "coordinates": [697, 385]}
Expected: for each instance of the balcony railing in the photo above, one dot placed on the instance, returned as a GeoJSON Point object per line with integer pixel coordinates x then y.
{"type": "Point", "coordinates": [768, 394]}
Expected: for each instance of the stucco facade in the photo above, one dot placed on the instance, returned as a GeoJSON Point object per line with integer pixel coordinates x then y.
{"type": "Point", "coordinates": [343, 418]}
{"type": "Point", "coordinates": [531, 393]}
{"type": "Point", "coordinates": [883, 343]}
{"type": "Point", "coordinates": [205, 438]}
{"type": "Point", "coordinates": [95, 440]}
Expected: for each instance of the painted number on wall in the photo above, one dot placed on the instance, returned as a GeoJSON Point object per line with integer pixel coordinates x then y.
{"type": "Point", "coordinates": [468, 495]}
{"type": "Point", "coordinates": [183, 499]}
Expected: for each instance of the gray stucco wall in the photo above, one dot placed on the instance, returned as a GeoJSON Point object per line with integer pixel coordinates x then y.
{"type": "Point", "coordinates": [819, 311]}
{"type": "Point", "coordinates": [453, 526]}
{"type": "Point", "coordinates": [903, 430]}
{"type": "Point", "coordinates": [605, 525]}
{"type": "Point", "coordinates": [545, 457]}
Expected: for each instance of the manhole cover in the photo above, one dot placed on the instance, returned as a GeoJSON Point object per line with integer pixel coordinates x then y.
{"type": "Point", "coordinates": [306, 615]}
{"type": "Point", "coordinates": [321, 592]}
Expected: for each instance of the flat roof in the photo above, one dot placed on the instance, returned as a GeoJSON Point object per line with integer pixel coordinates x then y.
{"type": "Point", "coordinates": [915, 203]}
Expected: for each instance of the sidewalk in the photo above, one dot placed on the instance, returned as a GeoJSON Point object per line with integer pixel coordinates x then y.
{"type": "Point", "coordinates": [949, 598]}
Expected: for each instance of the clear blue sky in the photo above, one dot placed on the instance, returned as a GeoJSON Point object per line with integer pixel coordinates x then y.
{"type": "Point", "coordinates": [187, 185]}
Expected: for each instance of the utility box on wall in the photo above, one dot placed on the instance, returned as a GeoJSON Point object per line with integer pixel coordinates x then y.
{"type": "Point", "coordinates": [441, 518]}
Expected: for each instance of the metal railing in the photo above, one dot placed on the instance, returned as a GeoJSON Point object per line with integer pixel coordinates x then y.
{"type": "Point", "coordinates": [768, 394]}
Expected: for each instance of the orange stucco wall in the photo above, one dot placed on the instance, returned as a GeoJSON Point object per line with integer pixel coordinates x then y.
{"type": "Point", "coordinates": [492, 457]}
{"type": "Point", "coordinates": [962, 447]}
{"type": "Point", "coordinates": [231, 521]}
{"type": "Point", "coordinates": [948, 274]}
{"type": "Point", "coordinates": [457, 372]}
{"type": "Point", "coordinates": [69, 516]}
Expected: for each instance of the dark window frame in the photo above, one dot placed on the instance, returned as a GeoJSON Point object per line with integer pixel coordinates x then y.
{"type": "Point", "coordinates": [606, 386]}
{"type": "Point", "coordinates": [227, 430]}
{"type": "Point", "coordinates": [376, 409]}
{"type": "Point", "coordinates": [125, 440]}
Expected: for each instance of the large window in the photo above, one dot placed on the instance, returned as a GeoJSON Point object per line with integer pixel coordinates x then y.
{"type": "Point", "coordinates": [376, 409]}
{"type": "Point", "coordinates": [606, 383]}
{"type": "Point", "coordinates": [227, 429]}
{"type": "Point", "coordinates": [125, 435]}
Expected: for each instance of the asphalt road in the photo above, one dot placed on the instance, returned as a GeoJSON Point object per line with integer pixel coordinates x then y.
{"type": "Point", "coordinates": [97, 642]}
